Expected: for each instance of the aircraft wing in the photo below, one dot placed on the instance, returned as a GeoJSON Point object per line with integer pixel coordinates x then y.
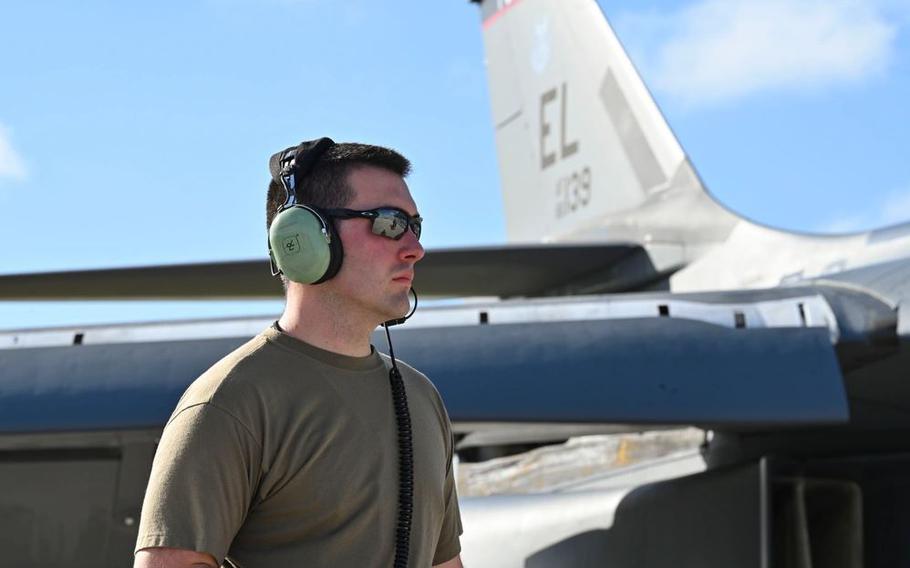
{"type": "Point", "coordinates": [746, 359]}
{"type": "Point", "coordinates": [642, 371]}
{"type": "Point", "coordinates": [743, 360]}
{"type": "Point", "coordinates": [515, 270]}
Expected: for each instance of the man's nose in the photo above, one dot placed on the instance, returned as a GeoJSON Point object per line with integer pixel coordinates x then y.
{"type": "Point", "coordinates": [411, 249]}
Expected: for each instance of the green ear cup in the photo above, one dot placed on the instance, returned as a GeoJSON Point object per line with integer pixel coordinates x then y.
{"type": "Point", "coordinates": [300, 244]}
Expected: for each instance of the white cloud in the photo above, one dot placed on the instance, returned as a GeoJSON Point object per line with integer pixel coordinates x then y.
{"type": "Point", "coordinates": [718, 50]}
{"type": "Point", "coordinates": [11, 164]}
{"type": "Point", "coordinates": [893, 208]}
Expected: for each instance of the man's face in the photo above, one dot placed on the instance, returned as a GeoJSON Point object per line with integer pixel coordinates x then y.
{"type": "Point", "coordinates": [377, 272]}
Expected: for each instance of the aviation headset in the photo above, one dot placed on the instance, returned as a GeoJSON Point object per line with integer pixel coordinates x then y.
{"type": "Point", "coordinates": [304, 246]}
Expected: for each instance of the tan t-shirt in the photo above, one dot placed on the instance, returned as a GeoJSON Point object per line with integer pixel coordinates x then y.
{"type": "Point", "coordinates": [283, 454]}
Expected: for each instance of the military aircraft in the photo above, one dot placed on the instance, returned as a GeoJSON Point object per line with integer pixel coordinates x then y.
{"type": "Point", "coordinates": [630, 299]}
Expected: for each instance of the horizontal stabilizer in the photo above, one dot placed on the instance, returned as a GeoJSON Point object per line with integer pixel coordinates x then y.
{"type": "Point", "coordinates": [644, 371]}
{"type": "Point", "coordinates": [515, 270]}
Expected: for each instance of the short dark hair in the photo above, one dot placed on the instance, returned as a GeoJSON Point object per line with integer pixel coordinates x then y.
{"type": "Point", "coordinates": [326, 186]}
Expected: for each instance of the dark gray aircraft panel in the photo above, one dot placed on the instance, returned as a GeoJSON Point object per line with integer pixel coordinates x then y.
{"type": "Point", "coordinates": [635, 371]}
{"type": "Point", "coordinates": [56, 510]}
{"type": "Point", "coordinates": [516, 270]}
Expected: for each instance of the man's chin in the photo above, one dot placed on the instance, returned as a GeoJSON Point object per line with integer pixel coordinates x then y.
{"type": "Point", "coordinates": [401, 310]}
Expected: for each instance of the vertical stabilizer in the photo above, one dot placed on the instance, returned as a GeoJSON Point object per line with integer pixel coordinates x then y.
{"type": "Point", "coordinates": [584, 151]}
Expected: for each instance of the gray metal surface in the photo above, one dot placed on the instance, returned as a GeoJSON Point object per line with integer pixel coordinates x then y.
{"type": "Point", "coordinates": [636, 371]}
{"type": "Point", "coordinates": [890, 280]}
{"type": "Point", "coordinates": [708, 520]}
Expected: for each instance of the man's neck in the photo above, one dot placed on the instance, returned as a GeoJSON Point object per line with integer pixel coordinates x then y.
{"type": "Point", "coordinates": [324, 325]}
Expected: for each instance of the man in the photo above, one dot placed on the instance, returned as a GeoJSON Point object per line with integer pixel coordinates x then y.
{"type": "Point", "coordinates": [286, 452]}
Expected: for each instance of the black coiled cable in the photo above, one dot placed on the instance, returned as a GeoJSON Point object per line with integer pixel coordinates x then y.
{"type": "Point", "coordinates": [405, 462]}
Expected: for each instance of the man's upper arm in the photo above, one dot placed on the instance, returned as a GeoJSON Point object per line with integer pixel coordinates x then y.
{"type": "Point", "coordinates": [205, 471]}
{"type": "Point", "coordinates": [453, 563]}
{"type": "Point", "coordinates": [173, 558]}
{"type": "Point", "coordinates": [448, 546]}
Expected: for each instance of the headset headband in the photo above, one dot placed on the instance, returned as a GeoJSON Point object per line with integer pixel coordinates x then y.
{"type": "Point", "coordinates": [291, 165]}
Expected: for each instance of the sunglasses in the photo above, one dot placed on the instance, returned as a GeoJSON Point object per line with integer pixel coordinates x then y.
{"type": "Point", "coordinates": [387, 222]}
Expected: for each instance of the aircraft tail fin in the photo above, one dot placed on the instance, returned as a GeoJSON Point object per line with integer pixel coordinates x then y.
{"type": "Point", "coordinates": [584, 151]}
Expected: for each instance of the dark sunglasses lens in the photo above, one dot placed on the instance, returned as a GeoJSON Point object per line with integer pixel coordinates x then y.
{"type": "Point", "coordinates": [390, 223]}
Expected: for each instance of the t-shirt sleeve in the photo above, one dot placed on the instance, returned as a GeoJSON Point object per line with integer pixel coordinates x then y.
{"type": "Point", "coordinates": [205, 472]}
{"type": "Point", "coordinates": [449, 544]}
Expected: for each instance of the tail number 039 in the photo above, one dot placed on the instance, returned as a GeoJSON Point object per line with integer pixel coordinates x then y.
{"type": "Point", "coordinates": [573, 192]}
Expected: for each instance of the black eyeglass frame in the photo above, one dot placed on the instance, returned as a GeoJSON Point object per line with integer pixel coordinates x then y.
{"type": "Point", "coordinates": [413, 223]}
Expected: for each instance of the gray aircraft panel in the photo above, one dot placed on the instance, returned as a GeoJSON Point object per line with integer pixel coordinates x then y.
{"type": "Point", "coordinates": [890, 280]}
{"type": "Point", "coordinates": [634, 143]}
{"type": "Point", "coordinates": [635, 371]}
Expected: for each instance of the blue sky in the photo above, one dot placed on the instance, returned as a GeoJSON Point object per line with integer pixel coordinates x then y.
{"type": "Point", "coordinates": [138, 133]}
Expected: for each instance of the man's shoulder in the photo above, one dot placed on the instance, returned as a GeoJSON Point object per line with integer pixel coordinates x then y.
{"type": "Point", "coordinates": [407, 371]}
{"type": "Point", "coordinates": [234, 375]}
{"type": "Point", "coordinates": [413, 378]}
